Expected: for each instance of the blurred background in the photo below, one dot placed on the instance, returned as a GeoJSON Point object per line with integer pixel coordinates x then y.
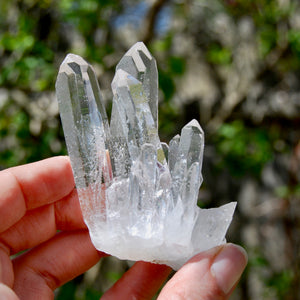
{"type": "Point", "coordinates": [234, 65]}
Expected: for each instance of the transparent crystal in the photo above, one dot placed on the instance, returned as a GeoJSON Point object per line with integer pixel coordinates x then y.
{"type": "Point", "coordinates": [138, 196]}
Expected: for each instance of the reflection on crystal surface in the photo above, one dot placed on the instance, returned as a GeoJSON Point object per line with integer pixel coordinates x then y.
{"type": "Point", "coordinates": [138, 195]}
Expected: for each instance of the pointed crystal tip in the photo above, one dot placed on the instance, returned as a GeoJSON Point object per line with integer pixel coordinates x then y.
{"type": "Point", "coordinates": [72, 63]}
{"type": "Point", "coordinates": [139, 47]}
{"type": "Point", "coordinates": [138, 57]}
{"type": "Point", "coordinates": [194, 123]}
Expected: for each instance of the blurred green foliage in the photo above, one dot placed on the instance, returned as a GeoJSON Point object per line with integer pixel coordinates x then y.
{"type": "Point", "coordinates": [243, 150]}
{"type": "Point", "coordinates": [70, 291]}
{"type": "Point", "coordinates": [281, 282]}
{"type": "Point", "coordinates": [219, 55]}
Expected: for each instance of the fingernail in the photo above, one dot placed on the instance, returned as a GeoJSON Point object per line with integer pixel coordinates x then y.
{"type": "Point", "coordinates": [228, 266]}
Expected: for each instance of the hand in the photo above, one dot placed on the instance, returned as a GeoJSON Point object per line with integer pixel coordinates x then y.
{"type": "Point", "coordinates": [38, 199]}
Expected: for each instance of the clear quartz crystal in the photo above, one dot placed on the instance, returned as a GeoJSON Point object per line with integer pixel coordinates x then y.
{"type": "Point", "coordinates": [138, 196]}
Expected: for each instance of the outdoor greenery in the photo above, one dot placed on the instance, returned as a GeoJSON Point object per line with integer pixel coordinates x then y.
{"type": "Point", "coordinates": [234, 65]}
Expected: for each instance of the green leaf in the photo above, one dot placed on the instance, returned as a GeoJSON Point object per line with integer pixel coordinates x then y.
{"type": "Point", "coordinates": [243, 150]}
{"type": "Point", "coordinates": [219, 55]}
{"type": "Point", "coordinates": [177, 65]}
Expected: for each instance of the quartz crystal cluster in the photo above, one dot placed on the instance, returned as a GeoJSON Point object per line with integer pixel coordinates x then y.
{"type": "Point", "coordinates": [138, 196]}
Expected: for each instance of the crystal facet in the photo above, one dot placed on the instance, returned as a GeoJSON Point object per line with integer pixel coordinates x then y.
{"type": "Point", "coordinates": [138, 196]}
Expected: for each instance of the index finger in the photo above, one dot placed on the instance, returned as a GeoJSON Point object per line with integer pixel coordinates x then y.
{"type": "Point", "coordinates": [31, 186]}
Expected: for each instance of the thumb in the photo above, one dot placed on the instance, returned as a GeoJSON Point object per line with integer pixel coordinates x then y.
{"type": "Point", "coordinates": [209, 275]}
{"type": "Point", "coordinates": [6, 293]}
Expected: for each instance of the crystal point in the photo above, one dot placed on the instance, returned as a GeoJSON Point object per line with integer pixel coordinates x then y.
{"type": "Point", "coordinates": [139, 63]}
{"type": "Point", "coordinates": [138, 196]}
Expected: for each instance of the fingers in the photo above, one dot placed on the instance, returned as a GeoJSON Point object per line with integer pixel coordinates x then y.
{"type": "Point", "coordinates": [207, 276]}
{"type": "Point", "coordinates": [6, 293]}
{"type": "Point", "coordinates": [41, 270]}
{"type": "Point", "coordinates": [6, 268]}
{"type": "Point", "coordinates": [12, 203]}
{"type": "Point", "coordinates": [228, 266]}
{"type": "Point", "coordinates": [68, 215]}
{"type": "Point", "coordinates": [42, 223]}
{"type": "Point", "coordinates": [31, 186]}
{"type": "Point", "coordinates": [142, 281]}
{"type": "Point", "coordinates": [45, 181]}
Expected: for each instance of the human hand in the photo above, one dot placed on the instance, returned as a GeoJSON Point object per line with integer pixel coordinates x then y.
{"type": "Point", "coordinates": [210, 275]}
{"type": "Point", "coordinates": [38, 199]}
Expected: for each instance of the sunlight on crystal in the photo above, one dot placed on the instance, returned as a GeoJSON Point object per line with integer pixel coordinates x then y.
{"type": "Point", "coordinates": [138, 196]}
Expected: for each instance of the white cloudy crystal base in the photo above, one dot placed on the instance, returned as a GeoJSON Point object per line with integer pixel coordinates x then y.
{"type": "Point", "coordinates": [208, 232]}
{"type": "Point", "coordinates": [138, 196]}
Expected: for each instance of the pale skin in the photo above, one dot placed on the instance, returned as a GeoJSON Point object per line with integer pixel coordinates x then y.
{"type": "Point", "coordinates": [40, 198]}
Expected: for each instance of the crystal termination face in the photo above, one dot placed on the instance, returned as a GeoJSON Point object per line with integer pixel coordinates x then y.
{"type": "Point", "coordinates": [138, 196]}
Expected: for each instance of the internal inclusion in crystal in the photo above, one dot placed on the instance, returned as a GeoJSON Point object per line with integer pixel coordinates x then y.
{"type": "Point", "coordinates": [138, 196]}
